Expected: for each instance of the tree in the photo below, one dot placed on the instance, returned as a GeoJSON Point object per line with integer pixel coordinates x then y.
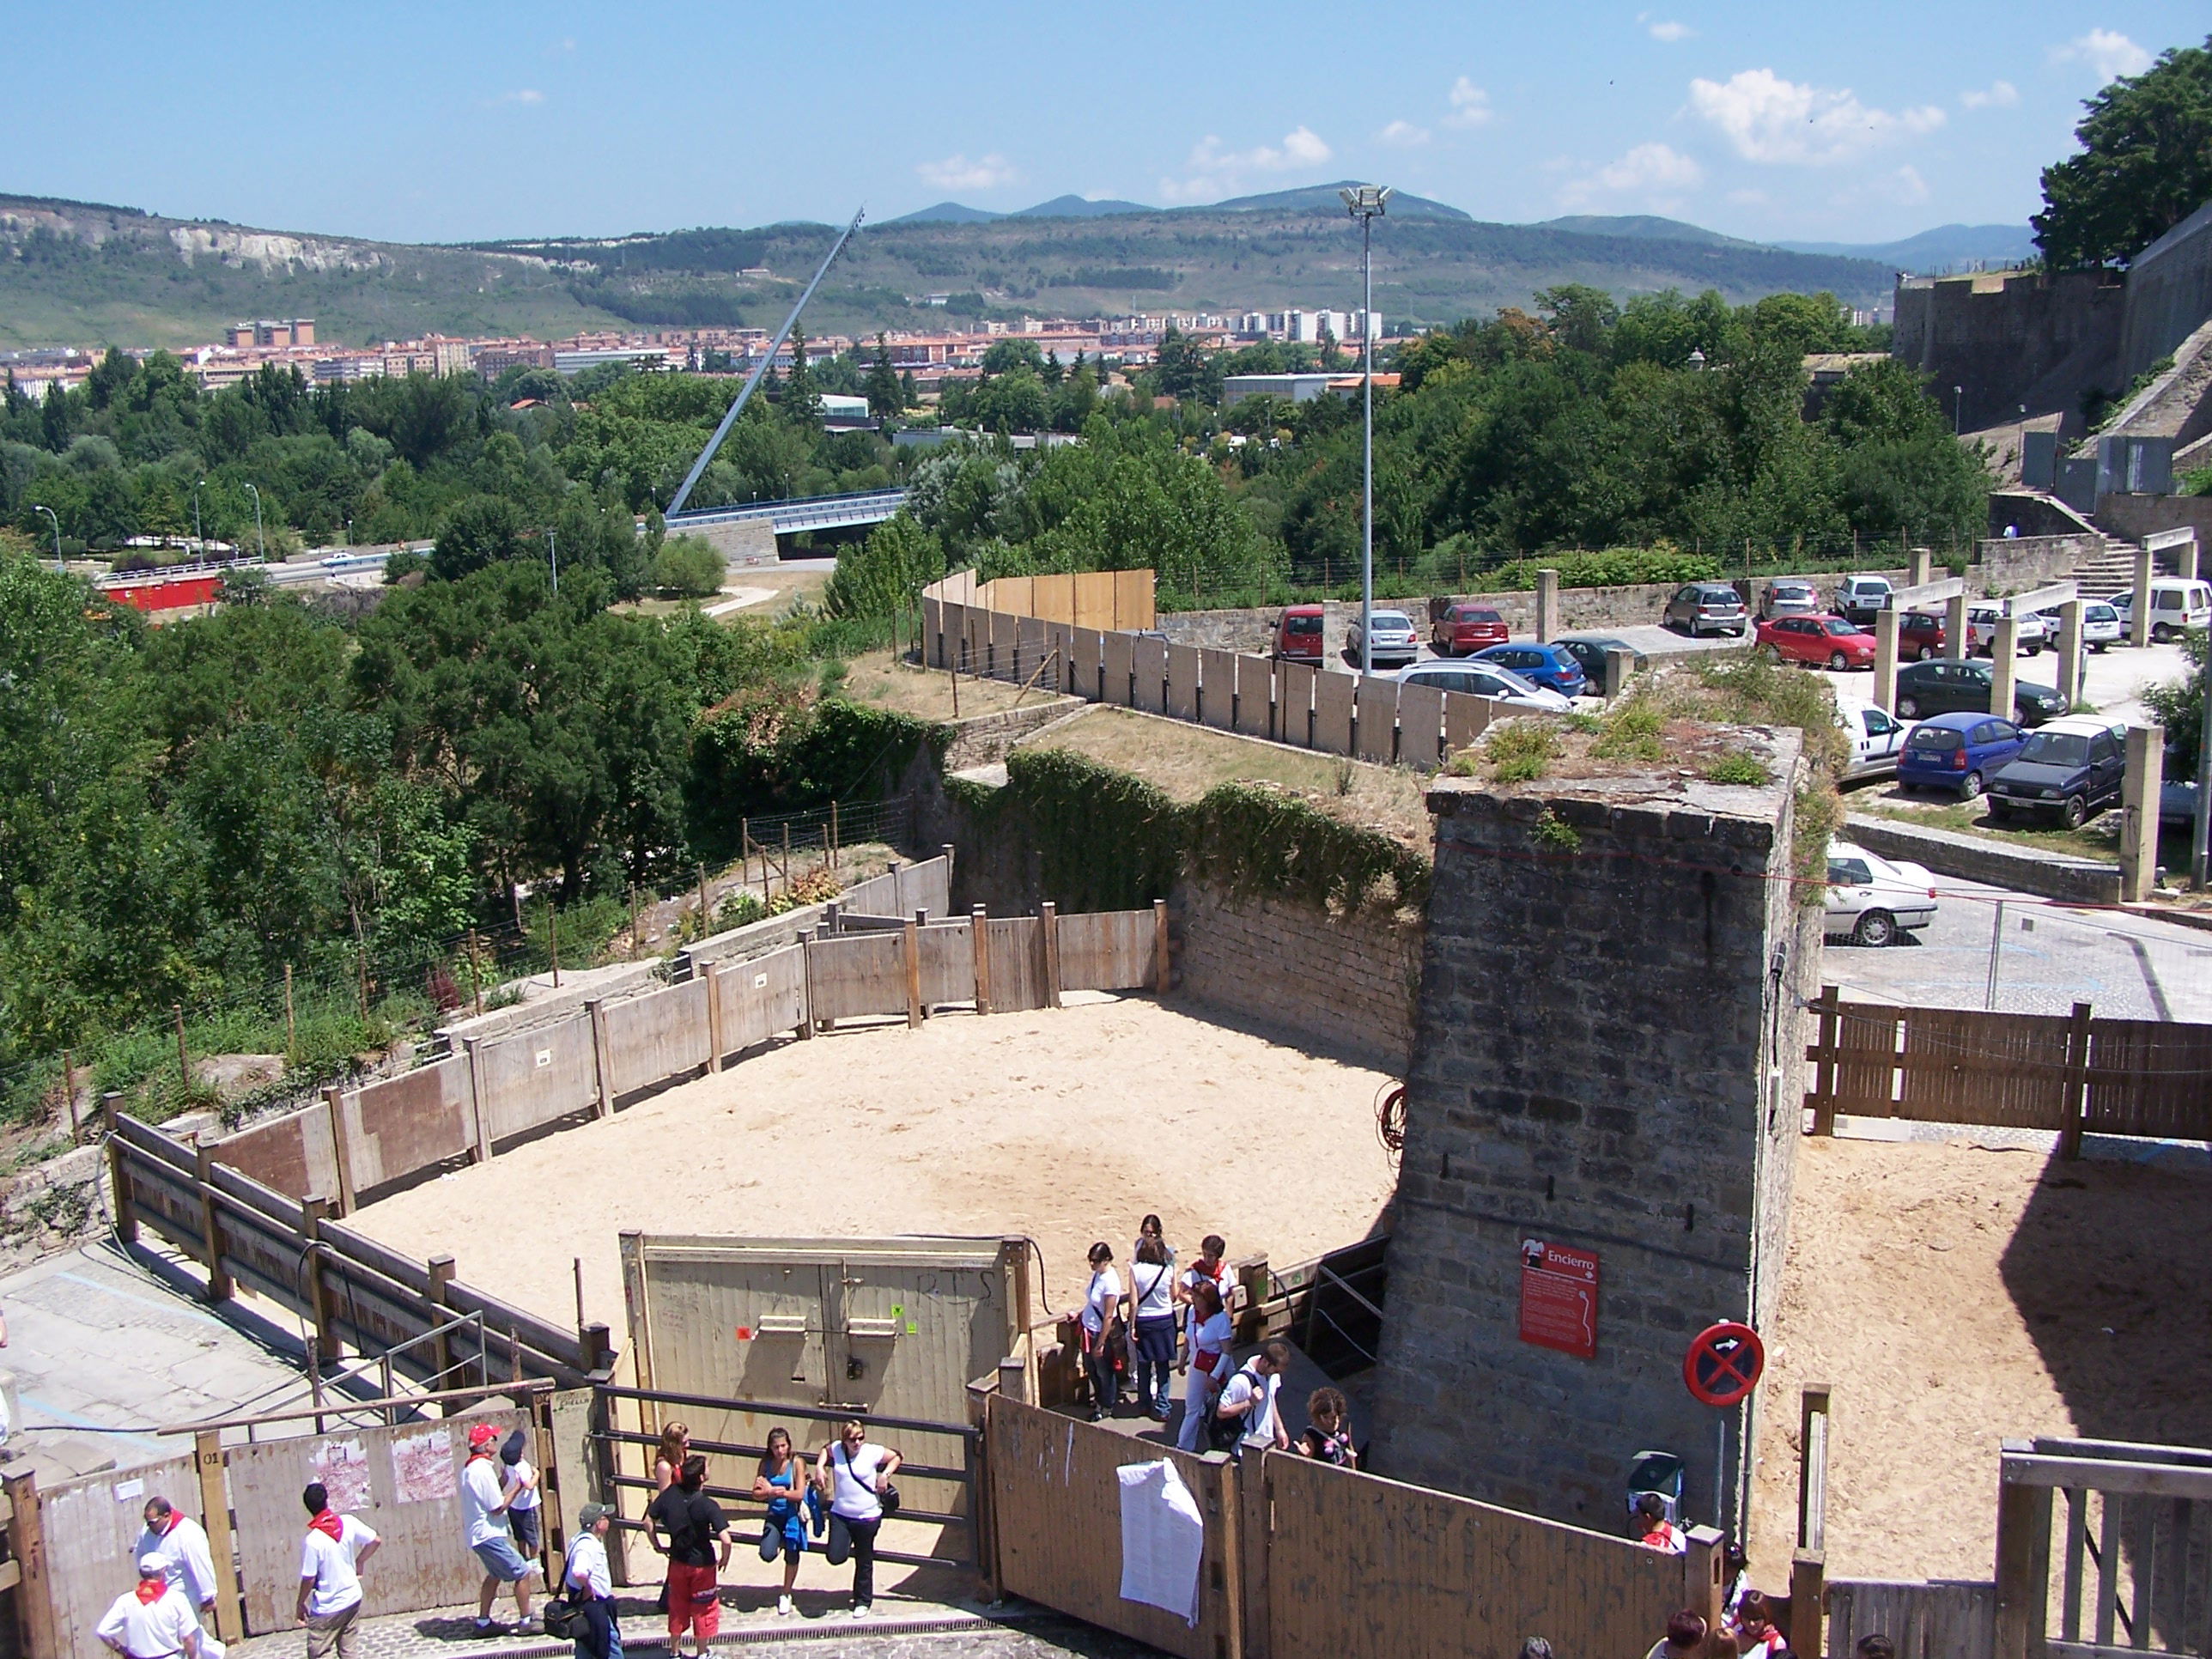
{"type": "Point", "coordinates": [1183, 371]}
{"type": "Point", "coordinates": [2145, 164]}
{"type": "Point", "coordinates": [482, 530]}
{"type": "Point", "coordinates": [688, 568]}
{"type": "Point", "coordinates": [802, 403]}
{"type": "Point", "coordinates": [884, 398]}
{"type": "Point", "coordinates": [884, 574]}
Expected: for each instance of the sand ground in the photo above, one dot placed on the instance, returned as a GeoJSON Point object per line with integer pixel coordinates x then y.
{"type": "Point", "coordinates": [1956, 1296]}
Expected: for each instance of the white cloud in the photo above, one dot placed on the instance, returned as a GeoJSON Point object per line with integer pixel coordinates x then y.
{"type": "Point", "coordinates": [1470, 105]}
{"type": "Point", "coordinates": [1998, 95]}
{"type": "Point", "coordinates": [1908, 186]}
{"type": "Point", "coordinates": [1670, 31]}
{"type": "Point", "coordinates": [1403, 135]}
{"type": "Point", "coordinates": [1769, 120]}
{"type": "Point", "coordinates": [958, 173]}
{"type": "Point", "coordinates": [2105, 51]}
{"type": "Point", "coordinates": [1747, 197]}
{"type": "Point", "coordinates": [1217, 172]}
{"type": "Point", "coordinates": [1653, 175]}
{"type": "Point", "coordinates": [523, 96]}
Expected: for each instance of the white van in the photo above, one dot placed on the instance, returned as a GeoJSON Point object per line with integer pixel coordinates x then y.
{"type": "Point", "coordinates": [2176, 602]}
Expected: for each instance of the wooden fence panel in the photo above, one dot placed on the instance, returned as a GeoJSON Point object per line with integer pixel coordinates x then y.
{"type": "Point", "coordinates": [1085, 653]}
{"type": "Point", "coordinates": [1094, 601]}
{"type": "Point", "coordinates": [2149, 1077]}
{"type": "Point", "coordinates": [1332, 721]}
{"type": "Point", "coordinates": [656, 1038]}
{"type": "Point", "coordinates": [862, 974]}
{"type": "Point", "coordinates": [1056, 1504]}
{"type": "Point", "coordinates": [1017, 964]}
{"type": "Point", "coordinates": [763, 996]}
{"type": "Point", "coordinates": [404, 1481]}
{"type": "Point", "coordinates": [1133, 600]}
{"type": "Point", "coordinates": [1217, 699]}
{"type": "Point", "coordinates": [1376, 729]}
{"type": "Point", "coordinates": [1255, 697]}
{"type": "Point", "coordinates": [1053, 598]}
{"type": "Point", "coordinates": [1420, 725]}
{"type": "Point", "coordinates": [1360, 1565]}
{"type": "Point", "coordinates": [1964, 1066]}
{"type": "Point", "coordinates": [1106, 950]}
{"type": "Point", "coordinates": [1941, 1621]}
{"type": "Point", "coordinates": [948, 963]}
{"type": "Point", "coordinates": [932, 632]}
{"type": "Point", "coordinates": [1182, 681]}
{"type": "Point", "coordinates": [1866, 1063]}
{"type": "Point", "coordinates": [397, 1128]}
{"type": "Point", "coordinates": [1151, 668]}
{"type": "Point", "coordinates": [296, 1154]}
{"type": "Point", "coordinates": [535, 1077]}
{"type": "Point", "coordinates": [1003, 632]}
{"type": "Point", "coordinates": [1294, 703]}
{"type": "Point", "coordinates": [1010, 594]}
{"type": "Point", "coordinates": [1121, 671]}
{"type": "Point", "coordinates": [91, 1525]}
{"type": "Point", "coordinates": [1466, 719]}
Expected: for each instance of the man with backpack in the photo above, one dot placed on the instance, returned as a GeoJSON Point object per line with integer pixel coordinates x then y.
{"type": "Point", "coordinates": [1248, 1413]}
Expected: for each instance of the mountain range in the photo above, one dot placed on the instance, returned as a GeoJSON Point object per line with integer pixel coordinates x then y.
{"type": "Point", "coordinates": [86, 274]}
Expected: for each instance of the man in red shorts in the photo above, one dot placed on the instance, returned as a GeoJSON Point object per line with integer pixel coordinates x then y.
{"type": "Point", "coordinates": [696, 1526]}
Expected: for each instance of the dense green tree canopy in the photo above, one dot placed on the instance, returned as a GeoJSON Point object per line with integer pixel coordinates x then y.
{"type": "Point", "coordinates": [2145, 165]}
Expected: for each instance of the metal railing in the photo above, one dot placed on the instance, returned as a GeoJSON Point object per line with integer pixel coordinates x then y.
{"type": "Point", "coordinates": [800, 513]}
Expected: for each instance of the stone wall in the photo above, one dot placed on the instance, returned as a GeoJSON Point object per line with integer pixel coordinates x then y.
{"type": "Point", "coordinates": [2134, 517]}
{"type": "Point", "coordinates": [1605, 1058]}
{"type": "Point", "coordinates": [1346, 985]}
{"type": "Point", "coordinates": [2009, 338]}
{"type": "Point", "coordinates": [2015, 564]}
{"type": "Point", "coordinates": [2169, 293]}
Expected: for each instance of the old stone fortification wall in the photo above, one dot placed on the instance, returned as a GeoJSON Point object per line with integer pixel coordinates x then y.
{"type": "Point", "coordinates": [1605, 1058]}
{"type": "Point", "coordinates": [2009, 338]}
{"type": "Point", "coordinates": [2169, 293]}
{"type": "Point", "coordinates": [2135, 517]}
{"type": "Point", "coordinates": [2013, 565]}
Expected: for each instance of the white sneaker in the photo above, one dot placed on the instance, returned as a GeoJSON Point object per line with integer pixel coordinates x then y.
{"type": "Point", "coordinates": [783, 1606]}
{"type": "Point", "coordinates": [861, 1611]}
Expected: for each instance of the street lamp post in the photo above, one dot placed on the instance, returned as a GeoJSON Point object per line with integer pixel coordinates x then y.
{"type": "Point", "coordinates": [1958, 408]}
{"type": "Point", "coordinates": [199, 542]}
{"type": "Point", "coordinates": [553, 546]}
{"type": "Point", "coordinates": [260, 542]}
{"type": "Point", "coordinates": [1366, 203]}
{"type": "Point", "coordinates": [60, 563]}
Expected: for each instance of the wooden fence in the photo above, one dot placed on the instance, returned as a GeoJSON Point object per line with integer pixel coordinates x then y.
{"type": "Point", "coordinates": [971, 628]}
{"type": "Point", "coordinates": [1942, 1619]}
{"type": "Point", "coordinates": [2071, 1074]}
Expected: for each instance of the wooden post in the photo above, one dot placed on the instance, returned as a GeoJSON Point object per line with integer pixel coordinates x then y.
{"type": "Point", "coordinates": [479, 1128]}
{"type": "Point", "coordinates": [1808, 1590]}
{"type": "Point", "coordinates": [441, 1346]}
{"type": "Point", "coordinates": [1247, 1486]}
{"type": "Point", "coordinates": [979, 926]}
{"type": "Point", "coordinates": [2023, 1550]}
{"type": "Point", "coordinates": [291, 1031]}
{"type": "Point", "coordinates": [313, 1211]}
{"type": "Point", "coordinates": [476, 975]}
{"type": "Point", "coordinates": [360, 977]}
{"type": "Point", "coordinates": [1163, 973]}
{"type": "Point", "coordinates": [69, 1095]}
{"type": "Point", "coordinates": [1705, 1575]}
{"type": "Point", "coordinates": [341, 1149]}
{"type": "Point", "coordinates": [602, 1061]}
{"type": "Point", "coordinates": [27, 1542]}
{"type": "Point", "coordinates": [636, 944]}
{"type": "Point", "coordinates": [553, 938]}
{"type": "Point", "coordinates": [1252, 1277]}
{"type": "Point", "coordinates": [702, 901]}
{"type": "Point", "coordinates": [2077, 1082]}
{"type": "Point", "coordinates": [911, 951]}
{"type": "Point", "coordinates": [1813, 1424]}
{"type": "Point", "coordinates": [1048, 915]}
{"type": "Point", "coordinates": [118, 1179]}
{"type": "Point", "coordinates": [786, 855]}
{"type": "Point", "coordinates": [833, 834]}
{"type": "Point", "coordinates": [1829, 1007]}
{"type": "Point", "coordinates": [219, 1287]}
{"type": "Point", "coordinates": [214, 1517]}
{"type": "Point", "coordinates": [713, 1017]}
{"type": "Point", "coordinates": [183, 1059]}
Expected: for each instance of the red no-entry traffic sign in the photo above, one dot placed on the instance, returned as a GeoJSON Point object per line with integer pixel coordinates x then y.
{"type": "Point", "coordinates": [1723, 1363]}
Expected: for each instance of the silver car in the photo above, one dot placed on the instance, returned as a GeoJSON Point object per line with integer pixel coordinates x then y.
{"type": "Point", "coordinates": [1788, 595]}
{"type": "Point", "coordinates": [1982, 630]}
{"type": "Point", "coordinates": [2100, 624]}
{"type": "Point", "coordinates": [1395, 642]}
{"type": "Point", "coordinates": [1484, 679]}
{"type": "Point", "coordinates": [1872, 900]}
{"type": "Point", "coordinates": [1707, 608]}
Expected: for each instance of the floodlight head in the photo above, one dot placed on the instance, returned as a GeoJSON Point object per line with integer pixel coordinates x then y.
{"type": "Point", "coordinates": [1365, 201]}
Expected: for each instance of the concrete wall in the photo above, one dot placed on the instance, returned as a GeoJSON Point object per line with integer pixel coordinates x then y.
{"type": "Point", "coordinates": [2134, 517]}
{"type": "Point", "coordinates": [1978, 858]}
{"type": "Point", "coordinates": [2009, 338]}
{"type": "Point", "coordinates": [2015, 564]}
{"type": "Point", "coordinates": [2169, 293]}
{"type": "Point", "coordinates": [1604, 1059]}
{"type": "Point", "coordinates": [988, 738]}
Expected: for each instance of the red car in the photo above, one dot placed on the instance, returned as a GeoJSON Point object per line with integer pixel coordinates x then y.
{"type": "Point", "coordinates": [1920, 637]}
{"type": "Point", "coordinates": [1298, 634]}
{"type": "Point", "coordinates": [1823, 641]}
{"type": "Point", "coordinates": [1464, 629]}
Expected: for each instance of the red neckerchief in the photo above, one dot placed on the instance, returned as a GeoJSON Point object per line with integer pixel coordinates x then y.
{"type": "Point", "coordinates": [326, 1521]}
{"type": "Point", "coordinates": [151, 1590]}
{"type": "Point", "coordinates": [176, 1519]}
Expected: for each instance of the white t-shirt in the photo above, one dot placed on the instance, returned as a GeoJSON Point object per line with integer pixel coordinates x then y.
{"type": "Point", "coordinates": [329, 1562]}
{"type": "Point", "coordinates": [1248, 1385]}
{"type": "Point", "coordinates": [526, 1497]}
{"type": "Point", "coordinates": [588, 1566]}
{"type": "Point", "coordinates": [1099, 1300]}
{"type": "Point", "coordinates": [1211, 1338]}
{"type": "Point", "coordinates": [848, 1496]}
{"type": "Point", "coordinates": [480, 1495]}
{"type": "Point", "coordinates": [185, 1557]}
{"type": "Point", "coordinates": [150, 1629]}
{"type": "Point", "coordinates": [1193, 1276]}
{"type": "Point", "coordinates": [1154, 1285]}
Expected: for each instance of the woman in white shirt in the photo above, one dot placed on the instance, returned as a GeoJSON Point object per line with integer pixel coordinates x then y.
{"type": "Point", "coordinates": [1151, 1297]}
{"type": "Point", "coordinates": [1209, 1363]}
{"type": "Point", "coordinates": [854, 1472]}
{"type": "Point", "coordinates": [1104, 1335]}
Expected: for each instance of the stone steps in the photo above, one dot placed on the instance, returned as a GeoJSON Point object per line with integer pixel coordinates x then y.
{"type": "Point", "coordinates": [2114, 570]}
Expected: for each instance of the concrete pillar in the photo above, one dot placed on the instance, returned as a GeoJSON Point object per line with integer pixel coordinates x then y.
{"type": "Point", "coordinates": [1619, 664]}
{"type": "Point", "coordinates": [1886, 624]}
{"type": "Point", "coordinates": [1547, 606]}
{"type": "Point", "coordinates": [2184, 559]}
{"type": "Point", "coordinates": [2139, 615]}
{"type": "Point", "coordinates": [1954, 626]}
{"type": "Point", "coordinates": [2070, 650]}
{"type": "Point", "coordinates": [1922, 563]}
{"type": "Point", "coordinates": [2004, 666]}
{"type": "Point", "coordinates": [2139, 812]}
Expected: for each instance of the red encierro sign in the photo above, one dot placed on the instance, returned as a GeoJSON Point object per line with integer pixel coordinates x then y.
{"type": "Point", "coordinates": [1559, 1297]}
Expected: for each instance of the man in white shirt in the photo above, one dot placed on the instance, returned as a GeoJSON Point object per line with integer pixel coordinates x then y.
{"type": "Point", "coordinates": [483, 1513]}
{"type": "Point", "coordinates": [598, 1636]}
{"type": "Point", "coordinates": [150, 1621]}
{"type": "Point", "coordinates": [1251, 1395]}
{"type": "Point", "coordinates": [336, 1548]}
{"type": "Point", "coordinates": [186, 1562]}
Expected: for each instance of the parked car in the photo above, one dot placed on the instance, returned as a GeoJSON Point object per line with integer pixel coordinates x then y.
{"type": "Point", "coordinates": [1483, 679]}
{"type": "Point", "coordinates": [2101, 625]}
{"type": "Point", "coordinates": [1875, 737]}
{"type": "Point", "coordinates": [1981, 629]}
{"type": "Point", "coordinates": [1957, 753]}
{"type": "Point", "coordinates": [1707, 608]}
{"type": "Point", "coordinates": [1550, 667]}
{"type": "Point", "coordinates": [2176, 603]}
{"type": "Point", "coordinates": [1948, 685]}
{"type": "Point", "coordinates": [2069, 769]}
{"type": "Point", "coordinates": [1589, 651]}
{"type": "Point", "coordinates": [1920, 637]}
{"type": "Point", "coordinates": [1298, 634]}
{"type": "Point", "coordinates": [2176, 789]}
{"type": "Point", "coordinates": [1857, 599]}
{"type": "Point", "coordinates": [1821, 641]}
{"type": "Point", "coordinates": [1464, 629]}
{"type": "Point", "coordinates": [1871, 900]}
{"type": "Point", "coordinates": [1395, 642]}
{"type": "Point", "coordinates": [1788, 595]}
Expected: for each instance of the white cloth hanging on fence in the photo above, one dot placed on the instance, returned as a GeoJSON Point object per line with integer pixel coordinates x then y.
{"type": "Point", "coordinates": [1163, 1539]}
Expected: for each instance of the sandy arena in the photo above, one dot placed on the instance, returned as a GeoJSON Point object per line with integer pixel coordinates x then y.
{"type": "Point", "coordinates": [1955, 1295]}
{"type": "Point", "coordinates": [1068, 1126]}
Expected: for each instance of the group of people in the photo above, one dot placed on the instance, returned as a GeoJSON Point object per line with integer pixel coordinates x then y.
{"type": "Point", "coordinates": [1747, 1632]}
{"type": "Point", "coordinates": [1134, 1331]}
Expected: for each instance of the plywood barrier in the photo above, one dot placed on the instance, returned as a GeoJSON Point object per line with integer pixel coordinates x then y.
{"type": "Point", "coordinates": [1466, 719]}
{"type": "Point", "coordinates": [1255, 697]}
{"type": "Point", "coordinates": [1018, 976]}
{"type": "Point", "coordinates": [1106, 950]}
{"type": "Point", "coordinates": [861, 974]}
{"type": "Point", "coordinates": [403, 1124]}
{"type": "Point", "coordinates": [1182, 682]}
{"type": "Point", "coordinates": [1331, 722]}
{"type": "Point", "coordinates": [1087, 656]}
{"type": "Point", "coordinates": [526, 1082]}
{"type": "Point", "coordinates": [1216, 674]}
{"type": "Point", "coordinates": [1294, 701]}
{"type": "Point", "coordinates": [1377, 725]}
{"type": "Point", "coordinates": [655, 1039]}
{"type": "Point", "coordinates": [1150, 658]}
{"type": "Point", "coordinates": [1420, 725]}
{"type": "Point", "coordinates": [90, 1526]}
{"type": "Point", "coordinates": [1121, 671]}
{"type": "Point", "coordinates": [932, 632]}
{"type": "Point", "coordinates": [1032, 639]}
{"type": "Point", "coordinates": [948, 963]}
{"type": "Point", "coordinates": [763, 997]}
{"type": "Point", "coordinates": [295, 1153]}
{"type": "Point", "coordinates": [1005, 630]}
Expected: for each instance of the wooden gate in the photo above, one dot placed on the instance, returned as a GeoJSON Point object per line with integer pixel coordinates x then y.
{"type": "Point", "coordinates": [90, 1526]}
{"type": "Point", "coordinates": [1938, 1621]}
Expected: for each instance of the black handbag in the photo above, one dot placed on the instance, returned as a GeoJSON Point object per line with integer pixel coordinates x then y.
{"type": "Point", "coordinates": [561, 1615]}
{"type": "Point", "coordinates": [886, 1494]}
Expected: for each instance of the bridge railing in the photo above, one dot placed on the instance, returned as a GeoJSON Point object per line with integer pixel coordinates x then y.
{"type": "Point", "coordinates": [816, 512]}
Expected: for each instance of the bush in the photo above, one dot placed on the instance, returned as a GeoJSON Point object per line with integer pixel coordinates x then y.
{"type": "Point", "coordinates": [1521, 750]}
{"type": "Point", "coordinates": [687, 568]}
{"type": "Point", "coordinates": [1617, 567]}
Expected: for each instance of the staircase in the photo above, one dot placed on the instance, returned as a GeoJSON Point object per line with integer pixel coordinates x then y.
{"type": "Point", "coordinates": [2110, 572]}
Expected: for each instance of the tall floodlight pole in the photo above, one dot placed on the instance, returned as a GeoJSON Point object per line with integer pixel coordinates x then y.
{"type": "Point", "coordinates": [1366, 203]}
{"type": "Point", "coordinates": [199, 542]}
{"type": "Point", "coordinates": [60, 563]}
{"type": "Point", "coordinates": [261, 541]}
{"type": "Point", "coordinates": [2200, 851]}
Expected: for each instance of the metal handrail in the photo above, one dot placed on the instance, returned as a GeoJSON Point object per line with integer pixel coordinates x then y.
{"type": "Point", "coordinates": [806, 1414]}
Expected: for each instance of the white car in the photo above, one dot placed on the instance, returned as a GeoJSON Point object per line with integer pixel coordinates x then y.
{"type": "Point", "coordinates": [1484, 679]}
{"type": "Point", "coordinates": [1872, 900]}
{"type": "Point", "coordinates": [1395, 639]}
{"type": "Point", "coordinates": [1875, 739]}
{"type": "Point", "coordinates": [2101, 625]}
{"type": "Point", "coordinates": [2177, 603]}
{"type": "Point", "coordinates": [1982, 630]}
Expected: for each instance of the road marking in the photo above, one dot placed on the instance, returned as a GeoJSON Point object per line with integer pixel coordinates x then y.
{"type": "Point", "coordinates": [2149, 974]}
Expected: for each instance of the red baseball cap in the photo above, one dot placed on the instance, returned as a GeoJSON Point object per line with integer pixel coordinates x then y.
{"type": "Point", "coordinates": [482, 1435]}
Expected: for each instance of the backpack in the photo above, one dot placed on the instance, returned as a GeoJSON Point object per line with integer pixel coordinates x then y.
{"type": "Point", "coordinates": [1225, 1434]}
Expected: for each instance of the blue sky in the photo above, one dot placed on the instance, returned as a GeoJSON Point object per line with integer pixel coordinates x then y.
{"type": "Point", "coordinates": [464, 120]}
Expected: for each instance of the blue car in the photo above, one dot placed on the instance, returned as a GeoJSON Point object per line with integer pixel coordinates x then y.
{"type": "Point", "coordinates": [1957, 753]}
{"type": "Point", "coordinates": [1548, 665]}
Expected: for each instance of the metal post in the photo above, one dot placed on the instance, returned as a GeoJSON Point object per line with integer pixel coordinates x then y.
{"type": "Point", "coordinates": [199, 542]}
{"type": "Point", "coordinates": [2197, 849]}
{"type": "Point", "coordinates": [553, 546]}
{"type": "Point", "coordinates": [553, 938]}
{"type": "Point", "coordinates": [1997, 950]}
{"type": "Point", "coordinates": [261, 541]}
{"type": "Point", "coordinates": [59, 563]}
{"type": "Point", "coordinates": [291, 1032]}
{"type": "Point", "coordinates": [1366, 203]}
